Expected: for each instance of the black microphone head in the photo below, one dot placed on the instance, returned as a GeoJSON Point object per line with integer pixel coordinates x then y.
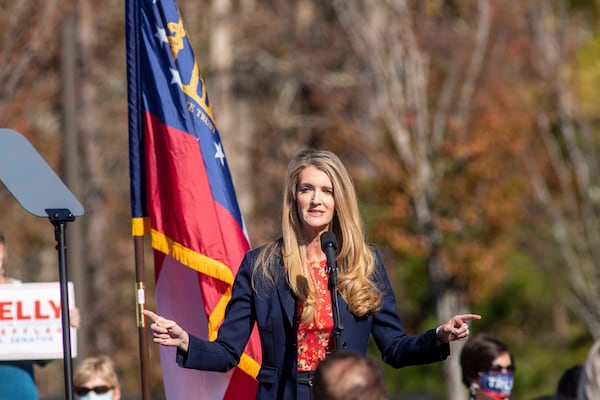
{"type": "Point", "coordinates": [328, 240]}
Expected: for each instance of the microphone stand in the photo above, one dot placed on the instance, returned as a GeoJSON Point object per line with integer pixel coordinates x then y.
{"type": "Point", "coordinates": [337, 324]}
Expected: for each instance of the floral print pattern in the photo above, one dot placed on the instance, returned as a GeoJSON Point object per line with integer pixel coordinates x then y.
{"type": "Point", "coordinates": [314, 338]}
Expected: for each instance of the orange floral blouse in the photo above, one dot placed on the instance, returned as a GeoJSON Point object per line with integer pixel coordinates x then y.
{"type": "Point", "coordinates": [314, 339]}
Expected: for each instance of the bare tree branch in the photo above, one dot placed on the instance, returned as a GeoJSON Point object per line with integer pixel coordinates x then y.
{"type": "Point", "coordinates": [384, 35]}
{"type": "Point", "coordinates": [567, 189]}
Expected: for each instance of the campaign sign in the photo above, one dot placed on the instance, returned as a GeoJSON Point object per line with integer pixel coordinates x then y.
{"type": "Point", "coordinates": [30, 321]}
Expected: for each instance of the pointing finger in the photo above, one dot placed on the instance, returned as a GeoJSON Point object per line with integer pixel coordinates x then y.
{"type": "Point", "coordinates": [469, 317]}
{"type": "Point", "coordinates": [153, 316]}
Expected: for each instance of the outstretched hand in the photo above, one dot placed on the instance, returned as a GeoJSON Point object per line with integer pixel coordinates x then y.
{"type": "Point", "coordinates": [167, 332]}
{"type": "Point", "coordinates": [457, 328]}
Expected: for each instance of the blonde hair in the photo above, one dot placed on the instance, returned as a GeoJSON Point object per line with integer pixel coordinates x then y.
{"type": "Point", "coordinates": [589, 381]}
{"type": "Point", "coordinates": [355, 259]}
{"type": "Point", "coordinates": [91, 367]}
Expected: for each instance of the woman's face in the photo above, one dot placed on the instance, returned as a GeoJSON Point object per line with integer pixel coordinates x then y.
{"type": "Point", "coordinates": [503, 361]}
{"type": "Point", "coordinates": [314, 199]}
{"type": "Point", "coordinates": [97, 388]}
{"type": "Point", "coordinates": [497, 381]}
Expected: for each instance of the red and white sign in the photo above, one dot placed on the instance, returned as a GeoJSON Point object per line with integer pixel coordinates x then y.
{"type": "Point", "coordinates": [30, 321]}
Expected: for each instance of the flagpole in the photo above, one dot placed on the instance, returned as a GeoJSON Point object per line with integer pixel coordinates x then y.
{"type": "Point", "coordinates": [132, 14]}
{"type": "Point", "coordinates": [141, 323]}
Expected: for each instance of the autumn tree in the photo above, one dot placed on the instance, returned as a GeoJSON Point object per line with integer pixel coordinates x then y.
{"type": "Point", "coordinates": [385, 35]}
{"type": "Point", "coordinates": [429, 103]}
{"type": "Point", "coordinates": [564, 162]}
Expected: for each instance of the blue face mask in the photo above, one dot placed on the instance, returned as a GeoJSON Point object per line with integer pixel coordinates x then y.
{"type": "Point", "coordinates": [497, 386]}
{"type": "Point", "coordinates": [95, 396]}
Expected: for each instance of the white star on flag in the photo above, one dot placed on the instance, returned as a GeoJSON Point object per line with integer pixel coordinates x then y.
{"type": "Point", "coordinates": [219, 154]}
{"type": "Point", "coordinates": [176, 78]}
{"type": "Point", "coordinates": [161, 34]}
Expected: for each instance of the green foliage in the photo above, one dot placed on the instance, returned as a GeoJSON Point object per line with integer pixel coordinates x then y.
{"type": "Point", "coordinates": [523, 312]}
{"type": "Point", "coordinates": [522, 309]}
{"type": "Point", "coordinates": [588, 76]}
{"type": "Point", "coordinates": [587, 5]}
{"type": "Point", "coordinates": [542, 351]}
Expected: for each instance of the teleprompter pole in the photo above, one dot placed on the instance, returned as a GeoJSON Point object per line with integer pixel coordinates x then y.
{"type": "Point", "coordinates": [59, 218]}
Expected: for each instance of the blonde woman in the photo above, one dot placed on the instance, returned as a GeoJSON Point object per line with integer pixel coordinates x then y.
{"type": "Point", "coordinates": [95, 378]}
{"type": "Point", "coordinates": [282, 287]}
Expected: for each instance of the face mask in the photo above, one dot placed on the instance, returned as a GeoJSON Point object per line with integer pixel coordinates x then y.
{"type": "Point", "coordinates": [496, 386]}
{"type": "Point", "coordinates": [96, 396]}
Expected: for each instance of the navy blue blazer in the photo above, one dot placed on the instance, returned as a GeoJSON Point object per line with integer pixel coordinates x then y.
{"type": "Point", "coordinates": [272, 308]}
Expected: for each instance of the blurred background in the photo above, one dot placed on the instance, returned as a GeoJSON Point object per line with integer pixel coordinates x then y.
{"type": "Point", "coordinates": [471, 128]}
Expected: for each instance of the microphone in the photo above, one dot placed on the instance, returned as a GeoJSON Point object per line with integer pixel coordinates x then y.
{"type": "Point", "coordinates": [329, 247]}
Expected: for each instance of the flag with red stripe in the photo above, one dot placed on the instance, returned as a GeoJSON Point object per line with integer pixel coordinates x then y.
{"type": "Point", "coordinates": [182, 195]}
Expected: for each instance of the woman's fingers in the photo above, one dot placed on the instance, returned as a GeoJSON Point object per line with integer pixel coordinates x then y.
{"type": "Point", "coordinates": [160, 326]}
{"type": "Point", "coordinates": [153, 316]}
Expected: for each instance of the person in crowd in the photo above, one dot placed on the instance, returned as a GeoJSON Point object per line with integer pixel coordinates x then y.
{"type": "Point", "coordinates": [568, 382]}
{"type": "Point", "coordinates": [567, 386]}
{"type": "Point", "coordinates": [589, 381]}
{"type": "Point", "coordinates": [487, 368]}
{"type": "Point", "coordinates": [95, 378]}
{"type": "Point", "coordinates": [347, 375]}
{"type": "Point", "coordinates": [282, 287]}
{"type": "Point", "coordinates": [17, 379]}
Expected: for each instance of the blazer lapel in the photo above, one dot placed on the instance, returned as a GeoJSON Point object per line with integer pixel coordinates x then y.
{"type": "Point", "coordinates": [288, 303]}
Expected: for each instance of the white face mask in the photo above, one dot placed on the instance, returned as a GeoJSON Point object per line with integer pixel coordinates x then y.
{"type": "Point", "coordinates": [95, 396]}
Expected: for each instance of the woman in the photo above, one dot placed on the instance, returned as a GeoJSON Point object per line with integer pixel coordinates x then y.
{"type": "Point", "coordinates": [96, 379]}
{"type": "Point", "coordinates": [282, 287]}
{"type": "Point", "coordinates": [487, 368]}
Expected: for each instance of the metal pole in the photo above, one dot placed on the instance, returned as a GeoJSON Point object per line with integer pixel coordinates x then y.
{"type": "Point", "coordinates": [59, 218]}
{"type": "Point", "coordinates": [141, 321]}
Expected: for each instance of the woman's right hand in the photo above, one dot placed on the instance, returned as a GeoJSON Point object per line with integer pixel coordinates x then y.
{"type": "Point", "coordinates": [167, 332]}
